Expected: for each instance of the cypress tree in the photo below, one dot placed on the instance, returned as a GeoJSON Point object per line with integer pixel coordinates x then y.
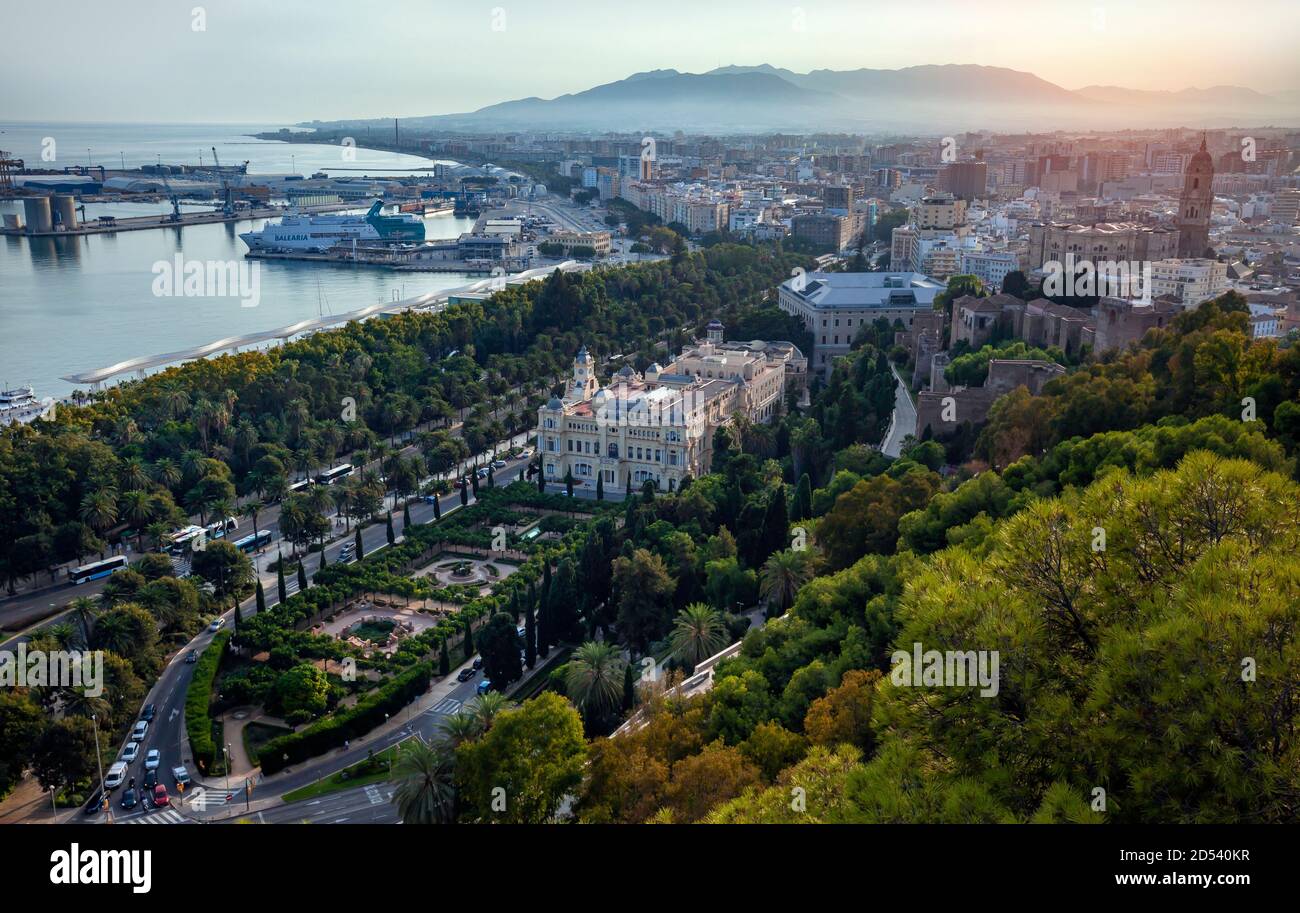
{"type": "Point", "coordinates": [360, 548]}
{"type": "Point", "coordinates": [473, 480]}
{"type": "Point", "coordinates": [279, 578]}
{"type": "Point", "coordinates": [261, 598]}
{"type": "Point", "coordinates": [544, 633]}
{"type": "Point", "coordinates": [437, 508]}
{"type": "Point", "coordinates": [323, 562]}
{"type": "Point", "coordinates": [629, 689]}
{"type": "Point", "coordinates": [802, 506]}
{"type": "Point", "coordinates": [406, 515]}
{"type": "Point", "coordinates": [392, 536]}
{"type": "Point", "coordinates": [444, 661]}
{"type": "Point", "coordinates": [302, 576]}
{"type": "Point", "coordinates": [530, 632]}
{"type": "Point", "coordinates": [568, 484]}
{"type": "Point", "coordinates": [239, 616]}
{"type": "Point", "coordinates": [541, 478]}
{"type": "Point", "coordinates": [600, 487]}
{"type": "Point", "coordinates": [492, 482]}
{"type": "Point", "coordinates": [464, 493]}
{"type": "Point", "coordinates": [468, 642]}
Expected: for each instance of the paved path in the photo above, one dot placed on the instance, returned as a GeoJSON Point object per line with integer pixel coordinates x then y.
{"type": "Point", "coordinates": [903, 421]}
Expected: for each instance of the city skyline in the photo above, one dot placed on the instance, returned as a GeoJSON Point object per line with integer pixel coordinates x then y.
{"type": "Point", "coordinates": [297, 62]}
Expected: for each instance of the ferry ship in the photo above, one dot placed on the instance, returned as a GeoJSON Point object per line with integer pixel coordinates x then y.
{"type": "Point", "coordinates": [20, 405]}
{"type": "Point", "coordinates": [320, 233]}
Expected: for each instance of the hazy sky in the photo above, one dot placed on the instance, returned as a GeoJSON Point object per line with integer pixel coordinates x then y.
{"type": "Point", "coordinates": [272, 61]}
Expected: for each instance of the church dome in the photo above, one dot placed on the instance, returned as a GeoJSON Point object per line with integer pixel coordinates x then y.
{"type": "Point", "coordinates": [555, 404]}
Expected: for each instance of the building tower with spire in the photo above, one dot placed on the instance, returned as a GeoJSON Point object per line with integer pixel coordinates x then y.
{"type": "Point", "coordinates": [1195, 204]}
{"type": "Point", "coordinates": [583, 385]}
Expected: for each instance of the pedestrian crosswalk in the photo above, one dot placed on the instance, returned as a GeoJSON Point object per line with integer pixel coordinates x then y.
{"type": "Point", "coordinates": [448, 705]}
{"type": "Point", "coordinates": [166, 816]}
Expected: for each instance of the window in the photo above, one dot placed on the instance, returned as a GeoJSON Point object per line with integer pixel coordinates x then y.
{"type": "Point", "coordinates": [613, 450]}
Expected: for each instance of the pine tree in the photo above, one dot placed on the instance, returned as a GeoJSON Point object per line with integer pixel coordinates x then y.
{"type": "Point", "coordinates": [360, 548]}
{"type": "Point", "coordinates": [444, 661]}
{"type": "Point", "coordinates": [392, 536]}
{"type": "Point", "coordinates": [629, 689]}
{"type": "Point", "coordinates": [530, 632]}
{"type": "Point", "coordinates": [468, 642]}
{"type": "Point", "coordinates": [302, 576]}
{"type": "Point", "coordinates": [279, 579]}
{"type": "Point", "coordinates": [261, 598]}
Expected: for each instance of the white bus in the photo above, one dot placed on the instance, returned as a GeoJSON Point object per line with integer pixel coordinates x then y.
{"type": "Point", "coordinates": [330, 476]}
{"type": "Point", "coordinates": [97, 569]}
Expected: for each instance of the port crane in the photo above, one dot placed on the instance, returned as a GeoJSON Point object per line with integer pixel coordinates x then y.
{"type": "Point", "coordinates": [175, 214]}
{"type": "Point", "coordinates": [7, 168]}
{"type": "Point", "coordinates": [227, 192]}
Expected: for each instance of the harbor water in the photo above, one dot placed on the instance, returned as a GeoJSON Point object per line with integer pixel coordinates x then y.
{"type": "Point", "coordinates": [71, 304]}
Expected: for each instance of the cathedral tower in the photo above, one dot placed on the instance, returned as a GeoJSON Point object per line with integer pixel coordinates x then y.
{"type": "Point", "coordinates": [1194, 205]}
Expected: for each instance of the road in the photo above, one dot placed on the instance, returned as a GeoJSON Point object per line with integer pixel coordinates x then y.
{"type": "Point", "coordinates": [167, 732]}
{"type": "Point", "coordinates": [903, 421]}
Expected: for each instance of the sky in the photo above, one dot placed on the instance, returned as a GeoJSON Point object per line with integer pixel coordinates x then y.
{"type": "Point", "coordinates": [283, 61]}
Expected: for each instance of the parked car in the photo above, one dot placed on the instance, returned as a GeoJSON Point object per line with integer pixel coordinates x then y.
{"type": "Point", "coordinates": [147, 714]}
{"type": "Point", "coordinates": [181, 776]}
{"type": "Point", "coordinates": [160, 797]}
{"type": "Point", "coordinates": [141, 727]}
{"type": "Point", "coordinates": [116, 774]}
{"type": "Point", "coordinates": [478, 663]}
{"type": "Point", "coordinates": [482, 473]}
{"type": "Point", "coordinates": [129, 798]}
{"type": "Point", "coordinates": [466, 674]}
{"type": "Point", "coordinates": [484, 686]}
{"type": "Point", "coordinates": [429, 499]}
{"type": "Point", "coordinates": [150, 779]}
{"type": "Point", "coordinates": [152, 758]}
{"type": "Point", "coordinates": [192, 657]}
{"type": "Point", "coordinates": [95, 803]}
{"type": "Point", "coordinates": [498, 464]}
{"type": "Point", "coordinates": [131, 752]}
{"type": "Point", "coordinates": [217, 624]}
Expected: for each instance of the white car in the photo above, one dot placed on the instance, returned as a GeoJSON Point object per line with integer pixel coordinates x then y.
{"type": "Point", "coordinates": [152, 758]}
{"type": "Point", "coordinates": [217, 624]}
{"type": "Point", "coordinates": [141, 727]}
{"type": "Point", "coordinates": [131, 752]}
{"type": "Point", "coordinates": [498, 464]}
{"type": "Point", "coordinates": [116, 775]}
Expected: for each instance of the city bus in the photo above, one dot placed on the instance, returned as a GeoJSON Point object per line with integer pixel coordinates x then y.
{"type": "Point", "coordinates": [97, 569]}
{"type": "Point", "coordinates": [330, 476]}
{"type": "Point", "coordinates": [219, 528]}
{"type": "Point", "coordinates": [253, 542]}
{"type": "Point", "coordinates": [179, 541]}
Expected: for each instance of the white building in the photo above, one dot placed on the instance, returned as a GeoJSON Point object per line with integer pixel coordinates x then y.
{"type": "Point", "coordinates": [1191, 281]}
{"type": "Point", "coordinates": [659, 426]}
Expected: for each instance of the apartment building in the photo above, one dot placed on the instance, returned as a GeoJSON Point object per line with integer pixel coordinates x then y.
{"type": "Point", "coordinates": [1190, 281]}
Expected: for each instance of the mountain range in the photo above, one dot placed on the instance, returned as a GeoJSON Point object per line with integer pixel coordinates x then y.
{"type": "Point", "coordinates": [931, 99]}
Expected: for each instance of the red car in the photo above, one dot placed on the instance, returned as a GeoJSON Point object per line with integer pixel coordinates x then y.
{"type": "Point", "coordinates": [160, 797]}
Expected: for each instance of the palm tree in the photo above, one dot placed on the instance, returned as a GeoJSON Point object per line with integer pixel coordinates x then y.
{"type": "Point", "coordinates": [99, 509]}
{"type": "Point", "coordinates": [782, 576]}
{"type": "Point", "coordinates": [166, 472]}
{"type": "Point", "coordinates": [594, 679]}
{"type": "Point", "coordinates": [66, 634]}
{"type": "Point", "coordinates": [460, 728]}
{"type": "Point", "coordinates": [423, 775]}
{"type": "Point", "coordinates": [84, 608]}
{"type": "Point", "coordinates": [485, 708]}
{"type": "Point", "coordinates": [175, 402]}
{"type": "Point", "coordinates": [133, 474]}
{"type": "Point", "coordinates": [113, 632]}
{"type": "Point", "coordinates": [698, 633]}
{"type": "Point", "coordinates": [138, 510]}
{"type": "Point", "coordinates": [250, 509]}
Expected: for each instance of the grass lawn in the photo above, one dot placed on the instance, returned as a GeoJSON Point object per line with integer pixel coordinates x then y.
{"type": "Point", "coordinates": [360, 774]}
{"type": "Point", "coordinates": [257, 734]}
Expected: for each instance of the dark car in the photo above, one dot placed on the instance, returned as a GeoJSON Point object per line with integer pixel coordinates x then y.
{"type": "Point", "coordinates": [192, 656]}
{"type": "Point", "coordinates": [150, 779]}
{"type": "Point", "coordinates": [478, 663]}
{"type": "Point", "coordinates": [466, 674]}
{"type": "Point", "coordinates": [95, 803]}
{"type": "Point", "coordinates": [147, 714]}
{"type": "Point", "coordinates": [129, 798]}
